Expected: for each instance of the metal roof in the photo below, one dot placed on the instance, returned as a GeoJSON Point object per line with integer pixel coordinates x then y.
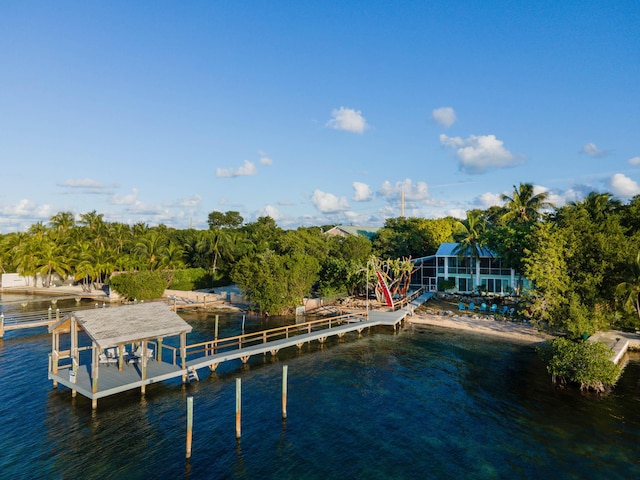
{"type": "Point", "coordinates": [128, 323]}
{"type": "Point", "coordinates": [447, 250]}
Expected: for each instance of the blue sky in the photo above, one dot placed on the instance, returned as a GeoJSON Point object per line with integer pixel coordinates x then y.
{"type": "Point", "coordinates": [312, 112]}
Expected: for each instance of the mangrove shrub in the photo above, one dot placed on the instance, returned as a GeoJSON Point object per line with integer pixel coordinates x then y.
{"type": "Point", "coordinates": [582, 362]}
{"type": "Point", "coordinates": [144, 285]}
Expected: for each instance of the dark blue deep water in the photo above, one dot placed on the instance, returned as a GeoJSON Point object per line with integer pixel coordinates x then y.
{"type": "Point", "coordinates": [423, 403]}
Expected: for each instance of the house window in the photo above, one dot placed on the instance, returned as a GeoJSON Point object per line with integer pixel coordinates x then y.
{"type": "Point", "coordinates": [494, 285]}
{"type": "Point", "coordinates": [462, 284]}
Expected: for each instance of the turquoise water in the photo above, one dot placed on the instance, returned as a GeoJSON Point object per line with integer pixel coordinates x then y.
{"type": "Point", "coordinates": [424, 403]}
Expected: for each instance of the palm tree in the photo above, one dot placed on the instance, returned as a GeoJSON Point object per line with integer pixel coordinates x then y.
{"type": "Point", "coordinates": [471, 240]}
{"type": "Point", "coordinates": [51, 260]}
{"type": "Point", "coordinates": [629, 290]}
{"type": "Point", "coordinates": [25, 256]}
{"type": "Point", "coordinates": [217, 244]}
{"type": "Point", "coordinates": [599, 205]}
{"type": "Point", "coordinates": [62, 222]}
{"type": "Point", "coordinates": [524, 206]}
{"type": "Point", "coordinates": [171, 257]}
{"type": "Point", "coordinates": [83, 263]}
{"type": "Point", "coordinates": [150, 248]}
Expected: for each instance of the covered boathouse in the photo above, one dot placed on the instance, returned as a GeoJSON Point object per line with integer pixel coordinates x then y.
{"type": "Point", "coordinates": [110, 350]}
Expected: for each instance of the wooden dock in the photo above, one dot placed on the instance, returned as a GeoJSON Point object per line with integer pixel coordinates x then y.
{"type": "Point", "coordinates": [44, 318]}
{"type": "Point", "coordinates": [168, 362]}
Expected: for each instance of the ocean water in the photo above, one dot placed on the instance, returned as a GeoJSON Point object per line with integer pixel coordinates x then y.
{"type": "Point", "coordinates": [421, 403]}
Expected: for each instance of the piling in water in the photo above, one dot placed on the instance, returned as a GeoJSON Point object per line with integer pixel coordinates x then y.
{"type": "Point", "coordinates": [189, 424]}
{"type": "Point", "coordinates": [285, 368]}
{"type": "Point", "coordinates": [238, 407]}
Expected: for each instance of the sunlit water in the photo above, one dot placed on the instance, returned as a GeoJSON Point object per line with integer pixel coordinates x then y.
{"type": "Point", "coordinates": [424, 403]}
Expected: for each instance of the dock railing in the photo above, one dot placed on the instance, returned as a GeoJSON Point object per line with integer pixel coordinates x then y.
{"type": "Point", "coordinates": [262, 337]}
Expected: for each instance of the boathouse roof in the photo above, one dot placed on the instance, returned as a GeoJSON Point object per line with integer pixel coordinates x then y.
{"type": "Point", "coordinates": [115, 325]}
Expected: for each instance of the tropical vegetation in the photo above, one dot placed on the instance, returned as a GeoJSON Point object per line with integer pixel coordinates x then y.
{"type": "Point", "coordinates": [583, 257]}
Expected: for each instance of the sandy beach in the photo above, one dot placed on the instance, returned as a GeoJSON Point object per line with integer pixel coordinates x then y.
{"type": "Point", "coordinates": [513, 331]}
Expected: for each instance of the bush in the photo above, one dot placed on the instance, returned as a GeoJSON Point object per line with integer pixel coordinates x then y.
{"type": "Point", "coordinates": [143, 285]}
{"type": "Point", "coordinates": [191, 279]}
{"type": "Point", "coordinates": [586, 363]}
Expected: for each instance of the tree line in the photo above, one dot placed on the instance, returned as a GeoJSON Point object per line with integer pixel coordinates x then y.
{"type": "Point", "coordinates": [581, 257]}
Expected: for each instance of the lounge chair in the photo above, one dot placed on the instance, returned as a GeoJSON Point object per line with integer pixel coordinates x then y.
{"type": "Point", "coordinates": [461, 306]}
{"type": "Point", "coordinates": [103, 358]}
{"type": "Point", "coordinates": [483, 307]}
{"type": "Point", "coordinates": [494, 308]}
{"type": "Point", "coordinates": [511, 311]}
{"type": "Point", "coordinates": [504, 310]}
{"type": "Point", "coordinates": [472, 306]}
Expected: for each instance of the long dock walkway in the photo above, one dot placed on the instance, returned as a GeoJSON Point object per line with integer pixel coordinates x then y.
{"type": "Point", "coordinates": [272, 341]}
{"type": "Point", "coordinates": [168, 364]}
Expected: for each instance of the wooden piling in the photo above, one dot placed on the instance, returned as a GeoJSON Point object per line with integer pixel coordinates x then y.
{"type": "Point", "coordinates": [57, 315]}
{"type": "Point", "coordinates": [1, 325]}
{"type": "Point", "coordinates": [285, 369]}
{"type": "Point", "coordinates": [238, 407]}
{"type": "Point", "coordinates": [189, 424]}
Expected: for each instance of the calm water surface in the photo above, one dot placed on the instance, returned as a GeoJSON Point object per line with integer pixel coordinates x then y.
{"type": "Point", "coordinates": [424, 403]}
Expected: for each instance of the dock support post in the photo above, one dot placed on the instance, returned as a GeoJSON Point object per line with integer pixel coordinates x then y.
{"type": "Point", "coordinates": [189, 424]}
{"type": "Point", "coordinates": [144, 359]}
{"type": "Point", "coordinates": [285, 369]}
{"type": "Point", "coordinates": [238, 407]}
{"type": "Point", "coordinates": [215, 336]}
{"type": "Point", "coordinates": [1, 325]}
{"type": "Point", "coordinates": [183, 354]}
{"type": "Point", "coordinates": [57, 315]}
{"type": "Point", "coordinates": [49, 314]}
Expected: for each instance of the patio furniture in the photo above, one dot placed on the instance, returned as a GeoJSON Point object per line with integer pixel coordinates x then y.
{"type": "Point", "coordinates": [105, 359]}
{"type": "Point", "coordinates": [461, 306]}
{"type": "Point", "coordinates": [472, 306]}
{"type": "Point", "coordinates": [494, 308]}
{"type": "Point", "coordinates": [483, 307]}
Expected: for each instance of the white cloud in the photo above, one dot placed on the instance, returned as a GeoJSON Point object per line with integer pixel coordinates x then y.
{"type": "Point", "coordinates": [247, 168]}
{"type": "Point", "coordinates": [623, 186]}
{"type": "Point", "coordinates": [592, 150]}
{"type": "Point", "coordinates": [347, 119]}
{"type": "Point", "coordinates": [264, 159]}
{"type": "Point", "coordinates": [186, 202]}
{"type": "Point", "coordinates": [270, 211]}
{"type": "Point", "coordinates": [129, 199]}
{"type": "Point", "coordinates": [458, 213]}
{"type": "Point", "coordinates": [477, 153]}
{"type": "Point", "coordinates": [445, 116]}
{"type": "Point", "coordinates": [81, 183]}
{"type": "Point", "coordinates": [489, 199]}
{"type": "Point", "coordinates": [362, 192]}
{"type": "Point", "coordinates": [418, 192]}
{"type": "Point", "coordinates": [328, 202]}
{"type": "Point", "coordinates": [634, 161]}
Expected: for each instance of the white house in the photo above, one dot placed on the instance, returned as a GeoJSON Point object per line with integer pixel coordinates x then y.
{"type": "Point", "coordinates": [488, 274]}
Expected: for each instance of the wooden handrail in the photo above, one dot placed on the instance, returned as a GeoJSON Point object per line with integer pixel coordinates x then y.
{"type": "Point", "coordinates": [264, 336]}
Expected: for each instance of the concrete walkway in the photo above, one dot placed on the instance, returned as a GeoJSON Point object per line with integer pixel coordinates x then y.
{"type": "Point", "coordinates": [618, 342]}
